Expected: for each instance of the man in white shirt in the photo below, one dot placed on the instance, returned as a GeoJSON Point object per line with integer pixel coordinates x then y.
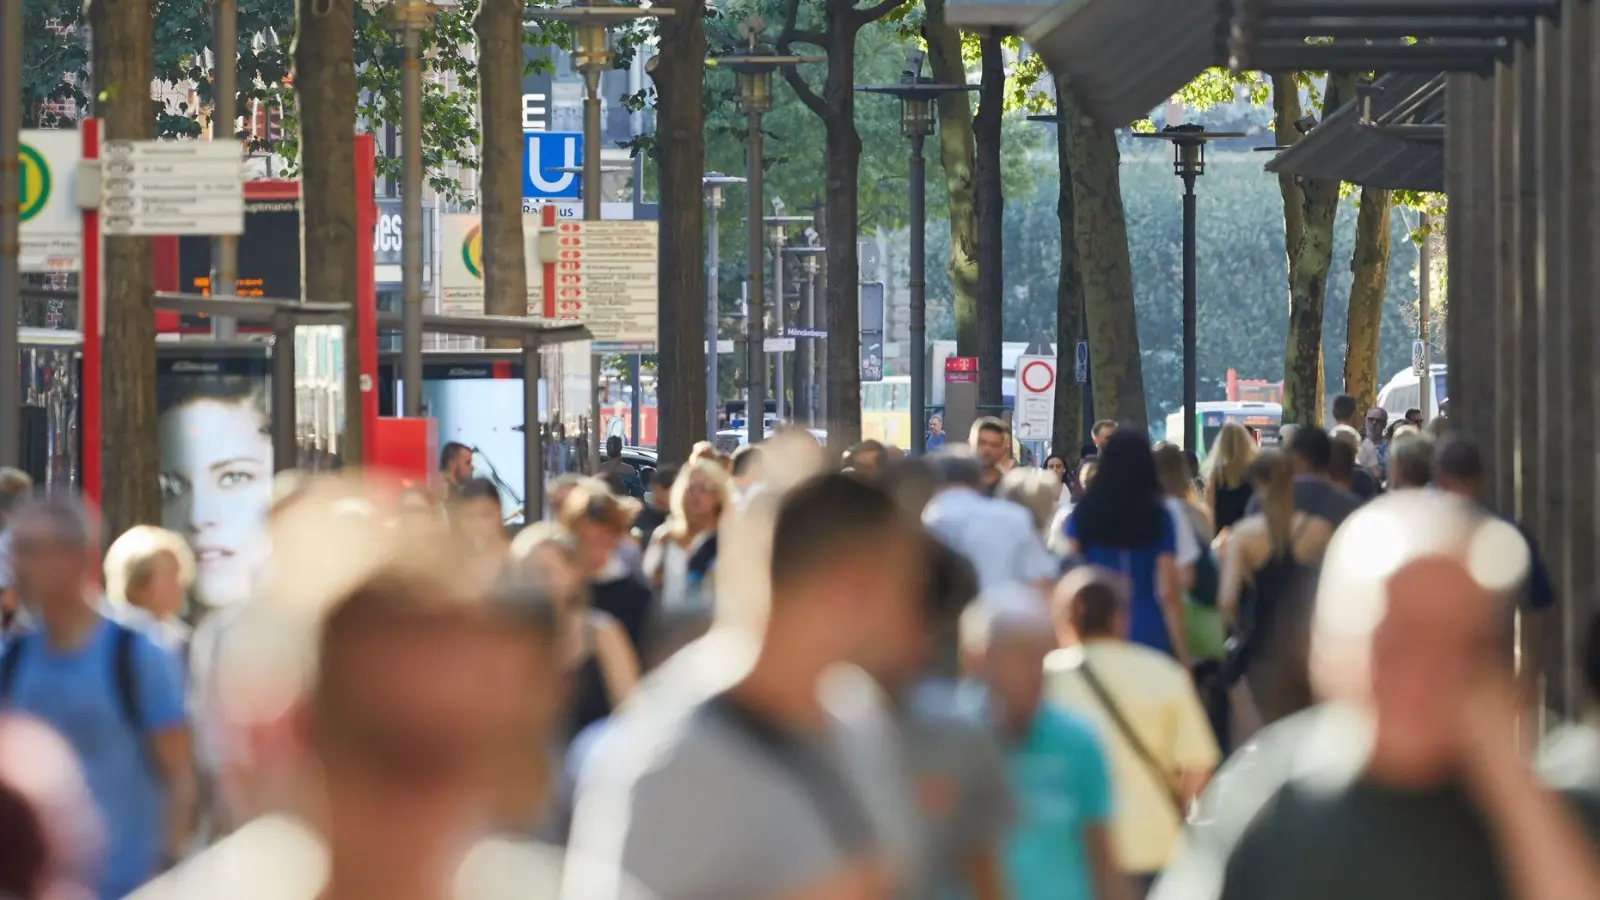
{"type": "Point", "coordinates": [997, 536]}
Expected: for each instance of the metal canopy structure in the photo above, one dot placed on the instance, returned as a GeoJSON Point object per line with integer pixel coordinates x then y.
{"type": "Point", "coordinates": [1383, 35]}
{"type": "Point", "coordinates": [1126, 57]}
{"type": "Point", "coordinates": [1391, 136]}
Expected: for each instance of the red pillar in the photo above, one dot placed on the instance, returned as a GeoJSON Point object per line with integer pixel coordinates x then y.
{"type": "Point", "coordinates": [89, 324]}
{"type": "Point", "coordinates": [366, 299]}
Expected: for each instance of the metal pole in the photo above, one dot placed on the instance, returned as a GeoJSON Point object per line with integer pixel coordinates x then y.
{"type": "Point", "coordinates": [532, 435]}
{"type": "Point", "coordinates": [1191, 440]}
{"type": "Point", "coordinates": [591, 213]}
{"type": "Point", "coordinates": [1424, 311]}
{"type": "Point", "coordinates": [224, 116]}
{"type": "Point", "coordinates": [714, 202]}
{"type": "Point", "coordinates": [411, 221]}
{"type": "Point", "coordinates": [778, 307]}
{"type": "Point", "coordinates": [638, 399]}
{"type": "Point", "coordinates": [285, 440]}
{"type": "Point", "coordinates": [808, 356]}
{"type": "Point", "coordinates": [755, 338]}
{"type": "Point", "coordinates": [919, 305]}
{"type": "Point", "coordinates": [11, 234]}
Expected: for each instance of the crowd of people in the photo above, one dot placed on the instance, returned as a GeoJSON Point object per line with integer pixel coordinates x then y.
{"type": "Point", "coordinates": [1282, 672]}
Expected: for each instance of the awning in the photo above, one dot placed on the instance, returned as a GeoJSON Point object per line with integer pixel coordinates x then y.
{"type": "Point", "coordinates": [1390, 137]}
{"type": "Point", "coordinates": [1382, 35]}
{"type": "Point", "coordinates": [1124, 58]}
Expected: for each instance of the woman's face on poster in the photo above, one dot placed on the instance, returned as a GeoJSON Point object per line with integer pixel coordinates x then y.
{"type": "Point", "coordinates": [216, 487]}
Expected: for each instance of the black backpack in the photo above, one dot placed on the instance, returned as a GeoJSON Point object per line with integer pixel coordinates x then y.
{"type": "Point", "coordinates": [1277, 610]}
{"type": "Point", "coordinates": [124, 673]}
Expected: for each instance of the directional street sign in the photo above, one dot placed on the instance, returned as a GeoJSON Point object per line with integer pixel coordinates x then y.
{"type": "Point", "coordinates": [778, 345]}
{"type": "Point", "coordinates": [605, 277]}
{"type": "Point", "coordinates": [52, 224]}
{"type": "Point", "coordinates": [793, 332]}
{"type": "Point", "coordinates": [172, 187]}
{"type": "Point", "coordinates": [544, 155]}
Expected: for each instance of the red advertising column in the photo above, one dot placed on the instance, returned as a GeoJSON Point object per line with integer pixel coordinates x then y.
{"type": "Point", "coordinates": [90, 323]}
{"type": "Point", "coordinates": [366, 298]}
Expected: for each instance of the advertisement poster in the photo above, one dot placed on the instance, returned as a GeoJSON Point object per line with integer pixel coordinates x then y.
{"type": "Point", "coordinates": [216, 463]}
{"type": "Point", "coordinates": [461, 265]}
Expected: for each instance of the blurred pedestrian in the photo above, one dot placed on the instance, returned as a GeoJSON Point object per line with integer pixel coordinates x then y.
{"type": "Point", "coordinates": [867, 459]}
{"type": "Point", "coordinates": [1311, 455]}
{"type": "Point", "coordinates": [599, 522]}
{"type": "Point", "coordinates": [1569, 758]}
{"type": "Point", "coordinates": [990, 441]}
{"type": "Point", "coordinates": [680, 562]}
{"type": "Point", "coordinates": [766, 788]}
{"type": "Point", "coordinates": [1267, 575]}
{"type": "Point", "coordinates": [15, 486]}
{"type": "Point", "coordinates": [477, 514]}
{"type": "Point", "coordinates": [455, 468]}
{"type": "Point", "coordinates": [1061, 844]}
{"type": "Point", "coordinates": [1123, 524]}
{"type": "Point", "coordinates": [936, 437]}
{"type": "Point", "coordinates": [999, 538]}
{"type": "Point", "coordinates": [148, 570]}
{"type": "Point", "coordinates": [109, 690]}
{"type": "Point", "coordinates": [1036, 490]}
{"type": "Point", "coordinates": [50, 836]}
{"type": "Point", "coordinates": [1407, 781]}
{"type": "Point", "coordinates": [1162, 747]}
{"type": "Point", "coordinates": [1411, 462]}
{"type": "Point", "coordinates": [1228, 484]}
{"type": "Point", "coordinates": [658, 505]}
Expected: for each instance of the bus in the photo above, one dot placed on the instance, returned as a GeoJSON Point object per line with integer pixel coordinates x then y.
{"type": "Point", "coordinates": [886, 411]}
{"type": "Point", "coordinates": [1263, 418]}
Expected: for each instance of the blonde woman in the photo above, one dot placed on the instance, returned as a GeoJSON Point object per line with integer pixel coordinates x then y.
{"type": "Point", "coordinates": [680, 560]}
{"type": "Point", "coordinates": [1228, 487]}
{"type": "Point", "coordinates": [1036, 490]}
{"type": "Point", "coordinates": [148, 572]}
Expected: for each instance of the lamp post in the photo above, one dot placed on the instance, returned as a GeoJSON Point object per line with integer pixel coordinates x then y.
{"type": "Point", "coordinates": [1189, 163]}
{"type": "Point", "coordinates": [917, 122]}
{"type": "Point", "coordinates": [810, 254]}
{"type": "Point", "coordinates": [714, 183]}
{"type": "Point", "coordinates": [754, 69]}
{"type": "Point", "coordinates": [592, 21]}
{"type": "Point", "coordinates": [11, 43]}
{"type": "Point", "coordinates": [410, 18]}
{"type": "Point", "coordinates": [224, 272]}
{"type": "Point", "coordinates": [778, 233]}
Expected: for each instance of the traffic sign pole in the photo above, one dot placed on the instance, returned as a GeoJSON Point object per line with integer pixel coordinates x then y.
{"type": "Point", "coordinates": [10, 234]}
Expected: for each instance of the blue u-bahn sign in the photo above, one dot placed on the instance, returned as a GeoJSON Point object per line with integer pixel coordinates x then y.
{"type": "Point", "coordinates": [544, 155]}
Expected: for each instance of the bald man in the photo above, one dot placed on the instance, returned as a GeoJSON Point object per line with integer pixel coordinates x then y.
{"type": "Point", "coordinates": [1406, 782]}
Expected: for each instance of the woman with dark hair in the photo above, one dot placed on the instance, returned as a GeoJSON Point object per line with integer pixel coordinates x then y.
{"type": "Point", "coordinates": [1123, 525]}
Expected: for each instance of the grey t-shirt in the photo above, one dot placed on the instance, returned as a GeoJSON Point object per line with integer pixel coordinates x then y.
{"type": "Point", "coordinates": [699, 805]}
{"type": "Point", "coordinates": [1316, 497]}
{"type": "Point", "coordinates": [963, 798]}
{"type": "Point", "coordinates": [1288, 817]}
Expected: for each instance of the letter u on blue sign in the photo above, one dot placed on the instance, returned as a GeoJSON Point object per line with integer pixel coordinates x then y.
{"type": "Point", "coordinates": [545, 154]}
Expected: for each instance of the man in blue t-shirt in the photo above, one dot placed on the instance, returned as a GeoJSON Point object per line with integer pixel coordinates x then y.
{"type": "Point", "coordinates": [110, 691]}
{"type": "Point", "coordinates": [1060, 847]}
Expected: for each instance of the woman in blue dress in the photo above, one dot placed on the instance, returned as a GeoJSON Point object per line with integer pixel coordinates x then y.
{"type": "Point", "coordinates": [1123, 525]}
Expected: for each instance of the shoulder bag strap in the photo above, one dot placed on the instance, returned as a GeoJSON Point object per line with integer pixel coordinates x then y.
{"type": "Point", "coordinates": [1109, 704]}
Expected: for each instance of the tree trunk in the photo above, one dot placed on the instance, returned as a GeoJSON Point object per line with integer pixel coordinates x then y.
{"type": "Point", "coordinates": [991, 223]}
{"type": "Point", "coordinates": [130, 490]}
{"type": "Point", "coordinates": [325, 90]}
{"type": "Point", "coordinates": [1286, 112]}
{"type": "Point", "coordinates": [1102, 232]}
{"type": "Point", "coordinates": [678, 72]}
{"type": "Point", "coordinates": [956, 156]}
{"type": "Point", "coordinates": [843, 151]}
{"type": "Point", "coordinates": [1067, 435]}
{"type": "Point", "coordinates": [1312, 257]}
{"type": "Point", "coordinates": [505, 264]}
{"type": "Point", "coordinates": [1370, 265]}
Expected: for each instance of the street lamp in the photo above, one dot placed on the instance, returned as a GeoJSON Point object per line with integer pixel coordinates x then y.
{"type": "Point", "coordinates": [754, 67]}
{"type": "Point", "coordinates": [592, 21]}
{"type": "Point", "coordinates": [917, 122]}
{"type": "Point", "coordinates": [778, 233]}
{"type": "Point", "coordinates": [714, 183]}
{"type": "Point", "coordinates": [1189, 163]}
{"type": "Point", "coordinates": [410, 18]}
{"type": "Point", "coordinates": [811, 256]}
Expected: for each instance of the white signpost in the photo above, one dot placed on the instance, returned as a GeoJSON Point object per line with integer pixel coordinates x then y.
{"type": "Point", "coordinates": [461, 265]}
{"type": "Point", "coordinates": [52, 225]}
{"type": "Point", "coordinates": [171, 188]}
{"type": "Point", "coordinates": [605, 277]}
{"type": "Point", "coordinates": [1036, 398]}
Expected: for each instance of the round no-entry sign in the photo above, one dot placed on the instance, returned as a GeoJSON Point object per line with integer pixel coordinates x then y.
{"type": "Point", "coordinates": [1038, 377]}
